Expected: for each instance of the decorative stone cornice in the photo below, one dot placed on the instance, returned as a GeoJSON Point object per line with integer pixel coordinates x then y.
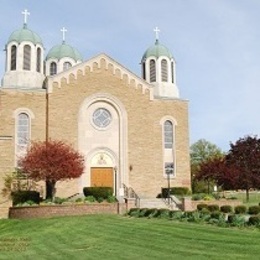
{"type": "Point", "coordinates": [97, 62]}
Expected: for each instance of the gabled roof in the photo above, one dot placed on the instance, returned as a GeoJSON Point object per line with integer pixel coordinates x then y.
{"type": "Point", "coordinates": [109, 63]}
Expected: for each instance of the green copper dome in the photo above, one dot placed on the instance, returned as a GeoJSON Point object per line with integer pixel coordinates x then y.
{"type": "Point", "coordinates": [157, 50]}
{"type": "Point", "coordinates": [64, 50]}
{"type": "Point", "coordinates": [25, 34]}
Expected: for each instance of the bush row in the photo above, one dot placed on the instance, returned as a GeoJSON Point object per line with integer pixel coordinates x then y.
{"type": "Point", "coordinates": [19, 197]}
{"type": "Point", "coordinates": [240, 209]}
{"type": "Point", "coordinates": [98, 192]}
{"type": "Point", "coordinates": [216, 217]}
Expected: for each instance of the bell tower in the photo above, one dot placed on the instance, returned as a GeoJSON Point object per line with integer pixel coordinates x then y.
{"type": "Point", "coordinates": [159, 69]}
{"type": "Point", "coordinates": [24, 59]}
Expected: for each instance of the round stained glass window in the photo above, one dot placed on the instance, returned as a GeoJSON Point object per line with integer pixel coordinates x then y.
{"type": "Point", "coordinates": [102, 117]}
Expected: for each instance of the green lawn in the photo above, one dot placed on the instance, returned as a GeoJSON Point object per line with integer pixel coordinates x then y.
{"type": "Point", "coordinates": [254, 197]}
{"type": "Point", "coordinates": [118, 237]}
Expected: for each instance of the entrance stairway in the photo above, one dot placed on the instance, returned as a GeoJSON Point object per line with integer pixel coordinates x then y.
{"type": "Point", "coordinates": [159, 203]}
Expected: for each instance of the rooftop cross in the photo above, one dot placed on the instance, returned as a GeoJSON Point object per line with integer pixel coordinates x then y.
{"type": "Point", "coordinates": [25, 13]}
{"type": "Point", "coordinates": [156, 30]}
{"type": "Point", "coordinates": [63, 30]}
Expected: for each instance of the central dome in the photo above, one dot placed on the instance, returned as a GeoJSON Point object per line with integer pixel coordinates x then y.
{"type": "Point", "coordinates": [25, 34]}
{"type": "Point", "coordinates": [64, 50]}
{"type": "Point", "coordinates": [157, 50]}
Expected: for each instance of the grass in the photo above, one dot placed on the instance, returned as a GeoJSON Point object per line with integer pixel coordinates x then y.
{"type": "Point", "coordinates": [118, 237]}
{"type": "Point", "coordinates": [254, 197]}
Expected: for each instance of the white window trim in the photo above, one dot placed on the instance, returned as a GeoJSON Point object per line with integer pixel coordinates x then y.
{"type": "Point", "coordinates": [31, 116]}
{"type": "Point", "coordinates": [173, 149]}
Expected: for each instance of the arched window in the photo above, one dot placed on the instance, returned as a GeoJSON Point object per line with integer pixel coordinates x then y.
{"type": "Point", "coordinates": [164, 70]}
{"type": "Point", "coordinates": [168, 135]}
{"type": "Point", "coordinates": [27, 57]}
{"type": "Point", "coordinates": [13, 57]}
{"type": "Point", "coordinates": [66, 65]}
{"type": "Point", "coordinates": [152, 71]}
{"type": "Point", "coordinates": [53, 68]}
{"type": "Point", "coordinates": [23, 130]}
{"type": "Point", "coordinates": [172, 72]}
{"type": "Point", "coordinates": [144, 74]}
{"type": "Point", "coordinates": [39, 60]}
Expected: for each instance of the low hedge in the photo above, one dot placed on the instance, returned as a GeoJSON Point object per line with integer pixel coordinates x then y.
{"type": "Point", "coordinates": [213, 207]}
{"type": "Point", "coordinates": [202, 206]}
{"type": "Point", "coordinates": [98, 192]}
{"type": "Point", "coordinates": [241, 209]}
{"type": "Point", "coordinates": [226, 209]}
{"type": "Point", "coordinates": [175, 191]}
{"type": "Point", "coordinates": [254, 210]}
{"type": "Point", "coordinates": [254, 220]}
{"type": "Point", "coordinates": [25, 195]}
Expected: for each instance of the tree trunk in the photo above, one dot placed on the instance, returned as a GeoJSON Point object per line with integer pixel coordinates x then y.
{"type": "Point", "coordinates": [50, 188]}
{"type": "Point", "coordinates": [247, 195]}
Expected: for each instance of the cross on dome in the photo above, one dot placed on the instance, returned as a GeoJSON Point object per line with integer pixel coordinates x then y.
{"type": "Point", "coordinates": [63, 30]}
{"type": "Point", "coordinates": [156, 30]}
{"type": "Point", "coordinates": [25, 13]}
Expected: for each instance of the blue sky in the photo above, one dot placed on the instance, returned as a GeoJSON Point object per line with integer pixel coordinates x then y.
{"type": "Point", "coordinates": [216, 44]}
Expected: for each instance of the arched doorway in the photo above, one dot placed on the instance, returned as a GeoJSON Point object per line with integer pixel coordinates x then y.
{"type": "Point", "coordinates": [102, 139]}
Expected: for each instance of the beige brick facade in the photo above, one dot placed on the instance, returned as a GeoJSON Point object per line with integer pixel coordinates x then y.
{"type": "Point", "coordinates": [134, 141]}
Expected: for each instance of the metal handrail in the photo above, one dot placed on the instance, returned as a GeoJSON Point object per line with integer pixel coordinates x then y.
{"type": "Point", "coordinates": [129, 192]}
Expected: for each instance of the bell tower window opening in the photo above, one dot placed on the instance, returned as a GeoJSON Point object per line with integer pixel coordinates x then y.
{"type": "Point", "coordinates": [53, 68]}
{"type": "Point", "coordinates": [164, 70]}
{"type": "Point", "coordinates": [13, 57]}
{"type": "Point", "coordinates": [152, 71]}
{"type": "Point", "coordinates": [172, 68]}
{"type": "Point", "coordinates": [27, 57]}
{"type": "Point", "coordinates": [144, 74]}
{"type": "Point", "coordinates": [66, 65]}
{"type": "Point", "coordinates": [39, 60]}
{"type": "Point", "coordinates": [168, 135]}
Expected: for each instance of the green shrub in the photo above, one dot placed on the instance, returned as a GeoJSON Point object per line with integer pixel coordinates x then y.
{"type": "Point", "coordinates": [98, 192]}
{"type": "Point", "coordinates": [142, 212]}
{"type": "Point", "coordinates": [100, 199]}
{"type": "Point", "coordinates": [79, 200]}
{"type": "Point", "coordinates": [134, 212]}
{"type": "Point", "coordinates": [236, 220]}
{"type": "Point", "coordinates": [254, 220]}
{"type": "Point", "coordinates": [164, 193]}
{"type": "Point", "coordinates": [111, 199]}
{"type": "Point", "coordinates": [58, 200]}
{"type": "Point", "coordinates": [213, 207]}
{"type": "Point", "coordinates": [26, 195]}
{"type": "Point", "coordinates": [216, 214]}
{"type": "Point", "coordinates": [198, 196]}
{"type": "Point", "coordinates": [207, 197]}
{"type": "Point", "coordinates": [240, 209]}
{"type": "Point", "coordinates": [202, 206]}
{"type": "Point", "coordinates": [150, 213]}
{"type": "Point", "coordinates": [90, 199]}
{"type": "Point", "coordinates": [30, 203]}
{"type": "Point", "coordinates": [163, 213]}
{"type": "Point", "coordinates": [205, 211]}
{"type": "Point", "coordinates": [173, 214]}
{"type": "Point", "coordinates": [180, 191]}
{"type": "Point", "coordinates": [254, 210]}
{"type": "Point", "coordinates": [226, 209]}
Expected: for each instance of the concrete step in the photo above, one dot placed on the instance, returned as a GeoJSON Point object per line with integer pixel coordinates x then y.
{"type": "Point", "coordinates": [153, 203]}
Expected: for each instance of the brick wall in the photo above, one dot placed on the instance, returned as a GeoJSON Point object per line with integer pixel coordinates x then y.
{"type": "Point", "coordinates": [190, 205]}
{"type": "Point", "coordinates": [66, 210]}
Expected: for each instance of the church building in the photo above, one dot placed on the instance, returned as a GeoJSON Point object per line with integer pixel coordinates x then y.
{"type": "Point", "coordinates": [133, 131]}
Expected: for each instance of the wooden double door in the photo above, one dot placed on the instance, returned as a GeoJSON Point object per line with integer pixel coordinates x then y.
{"type": "Point", "coordinates": [102, 177]}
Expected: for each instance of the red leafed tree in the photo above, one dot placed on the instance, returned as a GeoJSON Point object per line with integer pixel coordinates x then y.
{"type": "Point", "coordinates": [52, 161]}
{"type": "Point", "coordinates": [211, 170]}
{"type": "Point", "coordinates": [244, 157]}
{"type": "Point", "coordinates": [239, 169]}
